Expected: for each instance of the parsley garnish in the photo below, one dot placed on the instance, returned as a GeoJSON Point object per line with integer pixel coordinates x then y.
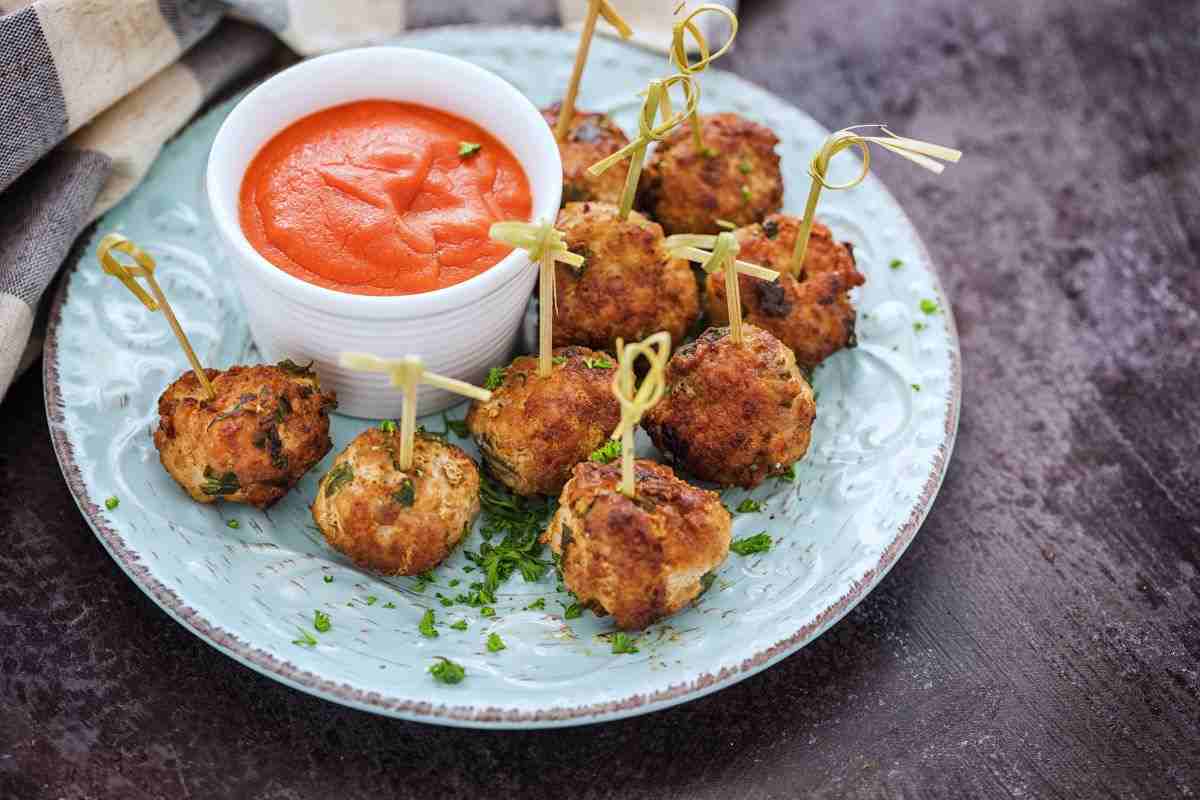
{"type": "Point", "coordinates": [520, 520]}
{"type": "Point", "coordinates": [423, 580]}
{"type": "Point", "coordinates": [446, 671]}
{"type": "Point", "coordinates": [621, 643]}
{"type": "Point", "coordinates": [919, 326]}
{"type": "Point", "coordinates": [599, 362]}
{"type": "Point", "coordinates": [573, 611]}
{"type": "Point", "coordinates": [321, 621]}
{"type": "Point", "coordinates": [388, 426]}
{"type": "Point", "coordinates": [758, 543]}
{"type": "Point", "coordinates": [371, 599]}
{"type": "Point", "coordinates": [745, 167]}
{"type": "Point", "coordinates": [328, 579]}
{"type": "Point", "coordinates": [461, 625]}
{"type": "Point", "coordinates": [389, 604]}
{"type": "Point", "coordinates": [457, 426]}
{"type": "Point", "coordinates": [748, 506]}
{"type": "Point", "coordinates": [112, 502]}
{"type": "Point", "coordinates": [929, 306]}
{"type": "Point", "coordinates": [338, 477]}
{"type": "Point", "coordinates": [407, 494]}
{"type": "Point", "coordinates": [214, 484]}
{"type": "Point", "coordinates": [494, 643]}
{"type": "Point", "coordinates": [292, 368]}
{"type": "Point", "coordinates": [746, 194]}
{"type": "Point", "coordinates": [306, 639]}
{"type": "Point", "coordinates": [467, 149]}
{"type": "Point", "coordinates": [233, 523]}
{"type": "Point", "coordinates": [487, 611]}
{"type": "Point", "coordinates": [558, 361]}
{"type": "Point", "coordinates": [916, 387]}
{"type": "Point", "coordinates": [895, 263]}
{"type": "Point", "coordinates": [606, 453]}
{"type": "Point", "coordinates": [706, 581]}
{"type": "Point", "coordinates": [495, 378]}
{"type": "Point", "coordinates": [426, 627]}
{"type": "Point", "coordinates": [788, 474]}
{"type": "Point", "coordinates": [536, 605]}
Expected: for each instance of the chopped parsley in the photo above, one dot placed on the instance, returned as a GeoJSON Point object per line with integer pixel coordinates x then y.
{"type": "Point", "coordinates": [214, 484]}
{"type": "Point", "coordinates": [371, 599]}
{"type": "Point", "coordinates": [388, 426]}
{"type": "Point", "coordinates": [389, 604]}
{"type": "Point", "coordinates": [895, 263]}
{"type": "Point", "coordinates": [745, 167]}
{"type": "Point", "coordinates": [495, 644]}
{"type": "Point", "coordinates": [233, 523]}
{"type": "Point", "coordinates": [321, 621]}
{"type": "Point", "coordinates": [461, 625]}
{"type": "Point", "coordinates": [746, 194]}
{"type": "Point", "coordinates": [292, 368]}
{"type": "Point", "coordinates": [708, 152]}
{"type": "Point", "coordinates": [706, 581]}
{"type": "Point", "coordinates": [338, 477]}
{"type": "Point", "coordinates": [573, 611]}
{"type": "Point", "coordinates": [487, 611]}
{"type": "Point", "coordinates": [445, 601]}
{"type": "Point", "coordinates": [536, 605]}
{"type": "Point", "coordinates": [919, 326]}
{"type": "Point", "coordinates": [929, 306]}
{"type": "Point", "coordinates": [328, 579]}
{"type": "Point", "coordinates": [407, 494]}
{"type": "Point", "coordinates": [599, 362]}
{"type": "Point", "coordinates": [457, 426]}
{"type": "Point", "coordinates": [306, 639]}
{"type": "Point", "coordinates": [112, 503]}
{"type": "Point", "coordinates": [748, 506]}
{"type": "Point", "coordinates": [622, 643]}
{"type": "Point", "coordinates": [606, 453]}
{"type": "Point", "coordinates": [558, 361]}
{"type": "Point", "coordinates": [426, 625]}
{"type": "Point", "coordinates": [788, 475]}
{"type": "Point", "coordinates": [446, 671]}
{"type": "Point", "coordinates": [916, 387]}
{"type": "Point", "coordinates": [758, 543]}
{"type": "Point", "coordinates": [423, 580]}
{"type": "Point", "coordinates": [495, 378]}
{"type": "Point", "coordinates": [468, 149]}
{"type": "Point", "coordinates": [520, 520]}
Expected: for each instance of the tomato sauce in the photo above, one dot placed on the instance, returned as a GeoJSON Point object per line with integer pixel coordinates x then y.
{"type": "Point", "coordinates": [382, 198]}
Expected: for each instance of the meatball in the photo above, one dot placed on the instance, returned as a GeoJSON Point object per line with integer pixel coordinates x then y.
{"type": "Point", "coordinates": [810, 313]}
{"type": "Point", "coordinates": [534, 429]}
{"type": "Point", "coordinates": [642, 558]}
{"type": "Point", "coordinates": [628, 287]}
{"type": "Point", "coordinates": [591, 138]}
{"type": "Point", "coordinates": [399, 522]}
{"type": "Point", "coordinates": [253, 443]}
{"type": "Point", "coordinates": [735, 177]}
{"type": "Point", "coordinates": [733, 414]}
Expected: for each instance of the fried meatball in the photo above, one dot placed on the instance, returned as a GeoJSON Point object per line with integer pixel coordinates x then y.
{"type": "Point", "coordinates": [253, 443]}
{"type": "Point", "coordinates": [590, 138]}
{"type": "Point", "coordinates": [628, 286]}
{"type": "Point", "coordinates": [534, 429]}
{"type": "Point", "coordinates": [733, 414]}
{"type": "Point", "coordinates": [735, 177]}
{"type": "Point", "coordinates": [811, 313]}
{"type": "Point", "coordinates": [396, 521]}
{"type": "Point", "coordinates": [642, 558]}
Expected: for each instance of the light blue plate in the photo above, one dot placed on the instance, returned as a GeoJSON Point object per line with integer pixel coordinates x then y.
{"type": "Point", "coordinates": [887, 414]}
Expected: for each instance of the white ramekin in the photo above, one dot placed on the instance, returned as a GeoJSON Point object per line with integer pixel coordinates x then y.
{"type": "Point", "coordinates": [459, 331]}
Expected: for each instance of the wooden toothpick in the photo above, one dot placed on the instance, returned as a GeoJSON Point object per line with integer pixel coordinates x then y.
{"type": "Point", "coordinates": [923, 154]}
{"type": "Point", "coordinates": [545, 245]}
{"type": "Point", "coordinates": [720, 253]}
{"type": "Point", "coordinates": [144, 268]}
{"type": "Point", "coordinates": [407, 374]}
{"type": "Point", "coordinates": [656, 349]}
{"type": "Point", "coordinates": [635, 151]}
{"type": "Point", "coordinates": [679, 55]}
{"type": "Point", "coordinates": [596, 9]}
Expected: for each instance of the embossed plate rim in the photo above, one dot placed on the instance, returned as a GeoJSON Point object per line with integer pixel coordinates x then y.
{"type": "Point", "coordinates": [493, 717]}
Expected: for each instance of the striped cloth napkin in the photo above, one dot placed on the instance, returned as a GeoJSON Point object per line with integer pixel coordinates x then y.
{"type": "Point", "coordinates": [91, 89]}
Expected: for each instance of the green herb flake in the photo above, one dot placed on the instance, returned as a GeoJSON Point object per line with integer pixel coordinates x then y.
{"type": "Point", "coordinates": [371, 599]}
{"type": "Point", "coordinates": [233, 524]}
{"type": "Point", "coordinates": [426, 626]}
{"type": "Point", "coordinates": [388, 426]}
{"type": "Point", "coordinates": [709, 152]}
{"type": "Point", "coordinates": [623, 644]}
{"type": "Point", "coordinates": [495, 644]}
{"type": "Point", "coordinates": [749, 506]}
{"type": "Point", "coordinates": [495, 378]}
{"type": "Point", "coordinates": [454, 582]}
{"type": "Point", "coordinates": [423, 580]}
{"type": "Point", "coordinates": [112, 503]}
{"type": "Point", "coordinates": [468, 149]}
{"type": "Point", "coordinates": [321, 621]}
{"type": "Point", "coordinates": [219, 484]}
{"type": "Point", "coordinates": [389, 604]}
{"type": "Point", "coordinates": [292, 368]}
{"type": "Point", "coordinates": [306, 639]}
{"type": "Point", "coordinates": [446, 671]}
{"type": "Point", "coordinates": [537, 605]}
{"type": "Point", "coordinates": [788, 475]}
{"type": "Point", "coordinates": [746, 194]}
{"type": "Point", "coordinates": [758, 543]}
{"type": "Point", "coordinates": [745, 167]}
{"type": "Point", "coordinates": [487, 611]}
{"type": "Point", "coordinates": [573, 611]}
{"type": "Point", "coordinates": [606, 453]}
{"type": "Point", "coordinates": [599, 362]}
{"type": "Point", "coordinates": [558, 361]}
{"type": "Point", "coordinates": [338, 477]}
{"type": "Point", "coordinates": [445, 601]}
{"type": "Point", "coordinates": [407, 493]}
{"type": "Point", "coordinates": [328, 579]}
{"type": "Point", "coordinates": [916, 387]}
{"type": "Point", "coordinates": [919, 326]}
{"type": "Point", "coordinates": [519, 521]}
{"type": "Point", "coordinates": [929, 306]}
{"type": "Point", "coordinates": [706, 581]}
{"type": "Point", "coordinates": [461, 625]}
{"type": "Point", "coordinates": [457, 426]}
{"type": "Point", "coordinates": [895, 263]}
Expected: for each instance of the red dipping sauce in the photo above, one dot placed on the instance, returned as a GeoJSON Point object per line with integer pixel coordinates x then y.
{"type": "Point", "coordinates": [374, 197]}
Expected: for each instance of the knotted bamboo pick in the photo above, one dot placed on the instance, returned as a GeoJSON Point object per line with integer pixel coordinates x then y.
{"type": "Point", "coordinates": [545, 245]}
{"type": "Point", "coordinates": [656, 349]}
{"type": "Point", "coordinates": [596, 9]}
{"type": "Point", "coordinates": [144, 268]}
{"type": "Point", "coordinates": [724, 249]}
{"type": "Point", "coordinates": [407, 373]}
{"type": "Point", "coordinates": [679, 56]}
{"type": "Point", "coordinates": [923, 154]}
{"type": "Point", "coordinates": [647, 133]}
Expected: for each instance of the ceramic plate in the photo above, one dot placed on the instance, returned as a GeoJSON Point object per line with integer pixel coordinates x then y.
{"type": "Point", "coordinates": [887, 414]}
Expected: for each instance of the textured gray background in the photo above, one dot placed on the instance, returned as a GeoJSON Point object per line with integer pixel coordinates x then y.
{"type": "Point", "coordinates": [1041, 638]}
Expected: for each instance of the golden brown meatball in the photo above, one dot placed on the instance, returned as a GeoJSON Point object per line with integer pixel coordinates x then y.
{"type": "Point", "coordinates": [638, 559]}
{"type": "Point", "coordinates": [733, 414]}
{"type": "Point", "coordinates": [735, 177]}
{"type": "Point", "coordinates": [628, 286]}
{"type": "Point", "coordinates": [391, 520]}
{"type": "Point", "coordinates": [811, 313]}
{"type": "Point", "coordinates": [534, 429]}
{"type": "Point", "coordinates": [591, 138]}
{"type": "Point", "coordinates": [267, 427]}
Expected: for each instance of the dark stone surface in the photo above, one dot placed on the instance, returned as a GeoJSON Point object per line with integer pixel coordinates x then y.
{"type": "Point", "coordinates": [1040, 639]}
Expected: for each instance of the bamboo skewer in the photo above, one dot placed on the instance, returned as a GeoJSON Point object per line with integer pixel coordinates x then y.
{"type": "Point", "coordinates": [724, 249]}
{"type": "Point", "coordinates": [923, 154]}
{"type": "Point", "coordinates": [679, 56]}
{"type": "Point", "coordinates": [656, 349]}
{"type": "Point", "coordinates": [596, 9]}
{"type": "Point", "coordinates": [545, 245]}
{"type": "Point", "coordinates": [407, 374]}
{"type": "Point", "coordinates": [144, 268]}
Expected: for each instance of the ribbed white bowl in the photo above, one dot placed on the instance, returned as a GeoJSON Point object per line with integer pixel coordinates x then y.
{"type": "Point", "coordinates": [459, 331]}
